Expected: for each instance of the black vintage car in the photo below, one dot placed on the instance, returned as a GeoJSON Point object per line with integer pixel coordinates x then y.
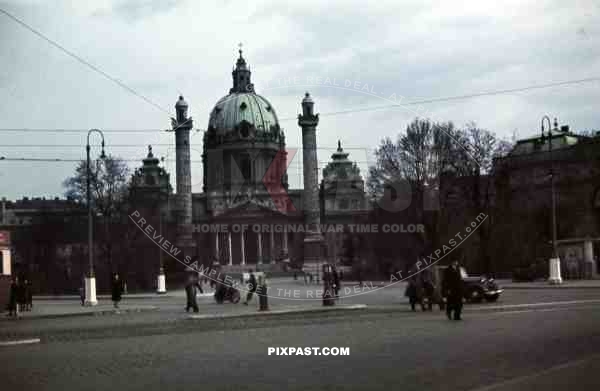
{"type": "Point", "coordinates": [476, 288]}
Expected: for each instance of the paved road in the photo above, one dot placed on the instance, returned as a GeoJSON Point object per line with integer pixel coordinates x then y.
{"type": "Point", "coordinates": [525, 348]}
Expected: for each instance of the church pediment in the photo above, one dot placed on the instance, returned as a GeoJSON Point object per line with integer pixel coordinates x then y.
{"type": "Point", "coordinates": [249, 207]}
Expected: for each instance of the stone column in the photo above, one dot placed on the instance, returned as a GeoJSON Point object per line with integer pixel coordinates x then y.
{"type": "Point", "coordinates": [272, 246]}
{"type": "Point", "coordinates": [217, 247]}
{"type": "Point", "coordinates": [285, 243]}
{"type": "Point", "coordinates": [313, 239]}
{"type": "Point", "coordinates": [182, 126]}
{"type": "Point", "coordinates": [243, 247]}
{"type": "Point", "coordinates": [259, 234]}
{"type": "Point", "coordinates": [230, 252]}
{"type": "Point", "coordinates": [588, 259]}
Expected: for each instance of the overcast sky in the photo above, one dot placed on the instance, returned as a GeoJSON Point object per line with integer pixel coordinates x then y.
{"type": "Point", "coordinates": [375, 51]}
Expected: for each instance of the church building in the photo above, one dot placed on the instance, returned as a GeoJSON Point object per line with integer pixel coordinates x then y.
{"type": "Point", "coordinates": [246, 213]}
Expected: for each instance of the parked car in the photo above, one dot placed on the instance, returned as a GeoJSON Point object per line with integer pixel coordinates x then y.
{"type": "Point", "coordinates": [476, 288]}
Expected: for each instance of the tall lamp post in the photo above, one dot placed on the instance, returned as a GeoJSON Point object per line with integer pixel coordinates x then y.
{"type": "Point", "coordinates": [554, 263]}
{"type": "Point", "coordinates": [90, 281]}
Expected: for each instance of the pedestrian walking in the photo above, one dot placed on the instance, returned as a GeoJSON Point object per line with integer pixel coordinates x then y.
{"type": "Point", "coordinates": [117, 290]}
{"type": "Point", "coordinates": [27, 295]}
{"type": "Point", "coordinates": [427, 291]}
{"type": "Point", "coordinates": [21, 296]}
{"type": "Point", "coordinates": [452, 287]}
{"type": "Point", "coordinates": [13, 306]}
{"type": "Point", "coordinates": [251, 287]}
{"type": "Point", "coordinates": [191, 289]}
{"type": "Point", "coordinates": [412, 292]}
{"type": "Point", "coordinates": [82, 291]}
{"type": "Point", "coordinates": [263, 303]}
{"type": "Point", "coordinates": [336, 282]}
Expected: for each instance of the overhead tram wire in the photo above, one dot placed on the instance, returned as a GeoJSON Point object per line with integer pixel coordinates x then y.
{"type": "Point", "coordinates": [457, 97]}
{"type": "Point", "coordinates": [341, 112]}
{"type": "Point", "coordinates": [82, 61]}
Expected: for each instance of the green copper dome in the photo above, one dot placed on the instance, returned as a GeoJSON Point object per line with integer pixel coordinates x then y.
{"type": "Point", "coordinates": [243, 105]}
{"type": "Point", "coordinates": [236, 107]}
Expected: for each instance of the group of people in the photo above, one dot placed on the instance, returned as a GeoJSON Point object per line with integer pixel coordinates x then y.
{"type": "Point", "coordinates": [20, 297]}
{"type": "Point", "coordinates": [421, 289]}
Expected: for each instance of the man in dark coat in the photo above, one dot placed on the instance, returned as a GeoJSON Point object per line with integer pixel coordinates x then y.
{"type": "Point", "coordinates": [452, 288]}
{"type": "Point", "coordinates": [28, 293]}
{"type": "Point", "coordinates": [251, 287]}
{"type": "Point", "coordinates": [336, 282]}
{"type": "Point", "coordinates": [13, 306]}
{"type": "Point", "coordinates": [117, 290]}
{"type": "Point", "coordinates": [412, 292]}
{"type": "Point", "coordinates": [191, 287]}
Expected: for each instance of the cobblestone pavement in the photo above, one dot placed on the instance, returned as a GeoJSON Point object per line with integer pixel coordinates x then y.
{"type": "Point", "coordinates": [410, 351]}
{"type": "Point", "coordinates": [170, 315]}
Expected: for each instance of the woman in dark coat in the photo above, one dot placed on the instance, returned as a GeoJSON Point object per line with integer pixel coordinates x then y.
{"type": "Point", "coordinates": [117, 290]}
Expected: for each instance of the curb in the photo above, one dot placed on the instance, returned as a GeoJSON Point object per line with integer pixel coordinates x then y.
{"type": "Point", "coordinates": [20, 342]}
{"type": "Point", "coordinates": [103, 297]}
{"type": "Point", "coordinates": [82, 314]}
{"type": "Point", "coordinates": [352, 307]}
{"type": "Point", "coordinates": [558, 287]}
{"type": "Point", "coordinates": [125, 297]}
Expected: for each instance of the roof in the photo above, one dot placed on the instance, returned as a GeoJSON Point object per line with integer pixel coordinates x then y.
{"type": "Point", "coordinates": [234, 108]}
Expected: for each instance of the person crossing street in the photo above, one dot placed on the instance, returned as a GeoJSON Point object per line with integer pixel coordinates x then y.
{"type": "Point", "coordinates": [452, 288]}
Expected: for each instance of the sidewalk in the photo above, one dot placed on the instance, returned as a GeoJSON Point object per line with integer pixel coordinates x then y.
{"type": "Point", "coordinates": [143, 296]}
{"type": "Point", "coordinates": [69, 309]}
{"type": "Point", "coordinates": [542, 284]}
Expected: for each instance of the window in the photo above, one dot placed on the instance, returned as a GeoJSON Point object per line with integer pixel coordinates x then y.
{"type": "Point", "coordinates": [246, 167]}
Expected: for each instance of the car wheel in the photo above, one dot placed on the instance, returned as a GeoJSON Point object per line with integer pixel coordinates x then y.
{"type": "Point", "coordinates": [492, 298]}
{"type": "Point", "coordinates": [475, 295]}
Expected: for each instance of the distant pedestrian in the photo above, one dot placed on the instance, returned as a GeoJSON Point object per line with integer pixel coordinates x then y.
{"type": "Point", "coordinates": [13, 305]}
{"type": "Point", "coordinates": [191, 289]}
{"type": "Point", "coordinates": [82, 291]}
{"type": "Point", "coordinates": [262, 293]}
{"type": "Point", "coordinates": [452, 288]}
{"type": "Point", "coordinates": [117, 290]}
{"type": "Point", "coordinates": [412, 292]}
{"type": "Point", "coordinates": [28, 295]}
{"type": "Point", "coordinates": [252, 285]}
{"type": "Point", "coordinates": [336, 281]}
{"type": "Point", "coordinates": [21, 296]}
{"type": "Point", "coordinates": [427, 291]}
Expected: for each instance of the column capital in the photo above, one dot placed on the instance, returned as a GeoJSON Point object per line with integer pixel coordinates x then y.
{"type": "Point", "coordinates": [308, 121]}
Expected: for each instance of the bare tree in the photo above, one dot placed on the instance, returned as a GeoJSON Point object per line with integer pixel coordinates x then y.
{"type": "Point", "coordinates": [109, 184]}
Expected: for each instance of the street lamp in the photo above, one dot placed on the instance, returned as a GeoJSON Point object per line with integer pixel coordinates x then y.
{"type": "Point", "coordinates": [90, 281]}
{"type": "Point", "coordinates": [554, 263]}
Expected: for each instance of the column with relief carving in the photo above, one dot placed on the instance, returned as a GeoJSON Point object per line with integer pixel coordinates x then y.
{"type": "Point", "coordinates": [313, 238]}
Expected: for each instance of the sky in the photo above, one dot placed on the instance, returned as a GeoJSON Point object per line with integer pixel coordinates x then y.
{"type": "Point", "coordinates": [350, 55]}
